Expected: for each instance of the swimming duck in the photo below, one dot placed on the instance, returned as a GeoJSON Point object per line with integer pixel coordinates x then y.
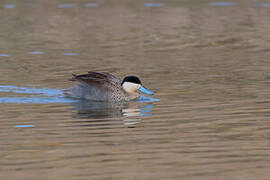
{"type": "Point", "coordinates": [103, 86]}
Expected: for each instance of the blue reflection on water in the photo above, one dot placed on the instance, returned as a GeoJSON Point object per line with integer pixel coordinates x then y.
{"type": "Point", "coordinates": [153, 4]}
{"type": "Point", "coordinates": [143, 99]}
{"type": "Point", "coordinates": [44, 91]}
{"type": "Point", "coordinates": [222, 3]}
{"type": "Point", "coordinates": [66, 5]}
{"type": "Point", "coordinates": [70, 54]}
{"type": "Point", "coordinates": [145, 111]}
{"type": "Point", "coordinates": [262, 4]}
{"type": "Point", "coordinates": [24, 126]}
{"type": "Point", "coordinates": [4, 55]}
{"type": "Point", "coordinates": [35, 100]}
{"type": "Point", "coordinates": [9, 6]}
{"type": "Point", "coordinates": [90, 5]}
{"type": "Point", "coordinates": [33, 95]}
{"type": "Point", "coordinates": [35, 52]}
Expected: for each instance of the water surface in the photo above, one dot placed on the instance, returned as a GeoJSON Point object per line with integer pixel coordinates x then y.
{"type": "Point", "coordinates": [206, 60]}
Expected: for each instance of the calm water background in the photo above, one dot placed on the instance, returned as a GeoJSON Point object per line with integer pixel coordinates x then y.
{"type": "Point", "coordinates": [207, 61]}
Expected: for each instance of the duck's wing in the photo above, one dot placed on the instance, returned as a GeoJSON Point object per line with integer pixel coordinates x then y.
{"type": "Point", "coordinates": [97, 79]}
{"type": "Point", "coordinates": [105, 75]}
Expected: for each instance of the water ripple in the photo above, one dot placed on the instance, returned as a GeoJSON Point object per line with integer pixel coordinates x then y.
{"type": "Point", "coordinates": [44, 91]}
{"type": "Point", "coordinates": [66, 5]}
{"type": "Point", "coordinates": [34, 95]}
{"type": "Point", "coordinates": [153, 4]}
{"type": "Point", "coordinates": [35, 52]}
{"type": "Point", "coordinates": [262, 4]}
{"type": "Point", "coordinates": [24, 126]}
{"type": "Point", "coordinates": [90, 5]}
{"type": "Point", "coordinates": [29, 4]}
{"type": "Point", "coordinates": [9, 6]}
{"type": "Point", "coordinates": [4, 55]}
{"type": "Point", "coordinates": [34, 100]}
{"type": "Point", "coordinates": [222, 3]}
{"type": "Point", "coordinates": [70, 54]}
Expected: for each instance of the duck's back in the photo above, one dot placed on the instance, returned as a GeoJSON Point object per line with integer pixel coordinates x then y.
{"type": "Point", "coordinates": [97, 87]}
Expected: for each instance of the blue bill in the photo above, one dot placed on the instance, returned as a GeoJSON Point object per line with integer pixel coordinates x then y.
{"type": "Point", "coordinates": [144, 90]}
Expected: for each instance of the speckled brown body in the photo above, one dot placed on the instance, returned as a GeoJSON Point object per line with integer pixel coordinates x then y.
{"type": "Point", "coordinates": [98, 86]}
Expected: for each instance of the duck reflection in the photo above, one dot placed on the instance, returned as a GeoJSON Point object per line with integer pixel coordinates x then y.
{"type": "Point", "coordinates": [130, 113]}
{"type": "Point", "coordinates": [97, 110]}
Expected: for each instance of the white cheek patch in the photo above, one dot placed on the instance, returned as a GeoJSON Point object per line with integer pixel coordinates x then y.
{"type": "Point", "coordinates": [130, 87]}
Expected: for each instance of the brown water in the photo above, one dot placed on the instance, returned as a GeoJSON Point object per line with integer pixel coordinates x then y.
{"type": "Point", "coordinates": [207, 62]}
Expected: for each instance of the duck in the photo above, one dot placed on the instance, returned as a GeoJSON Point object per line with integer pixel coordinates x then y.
{"type": "Point", "coordinates": [103, 86]}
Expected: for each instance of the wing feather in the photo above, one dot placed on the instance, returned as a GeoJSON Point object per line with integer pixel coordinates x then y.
{"type": "Point", "coordinates": [105, 75]}
{"type": "Point", "coordinates": [98, 79]}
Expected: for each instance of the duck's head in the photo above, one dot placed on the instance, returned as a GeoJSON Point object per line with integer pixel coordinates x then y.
{"type": "Point", "coordinates": [131, 84]}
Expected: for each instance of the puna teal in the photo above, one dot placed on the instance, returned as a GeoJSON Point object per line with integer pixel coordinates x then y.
{"type": "Point", "coordinates": [102, 86]}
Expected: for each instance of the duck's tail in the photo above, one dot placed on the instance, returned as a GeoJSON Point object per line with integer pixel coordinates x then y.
{"type": "Point", "coordinates": [73, 78]}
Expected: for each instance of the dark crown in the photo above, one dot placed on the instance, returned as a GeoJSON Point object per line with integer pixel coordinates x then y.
{"type": "Point", "coordinates": [132, 79]}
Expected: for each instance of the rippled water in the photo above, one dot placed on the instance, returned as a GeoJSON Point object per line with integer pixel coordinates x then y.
{"type": "Point", "coordinates": [206, 60]}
